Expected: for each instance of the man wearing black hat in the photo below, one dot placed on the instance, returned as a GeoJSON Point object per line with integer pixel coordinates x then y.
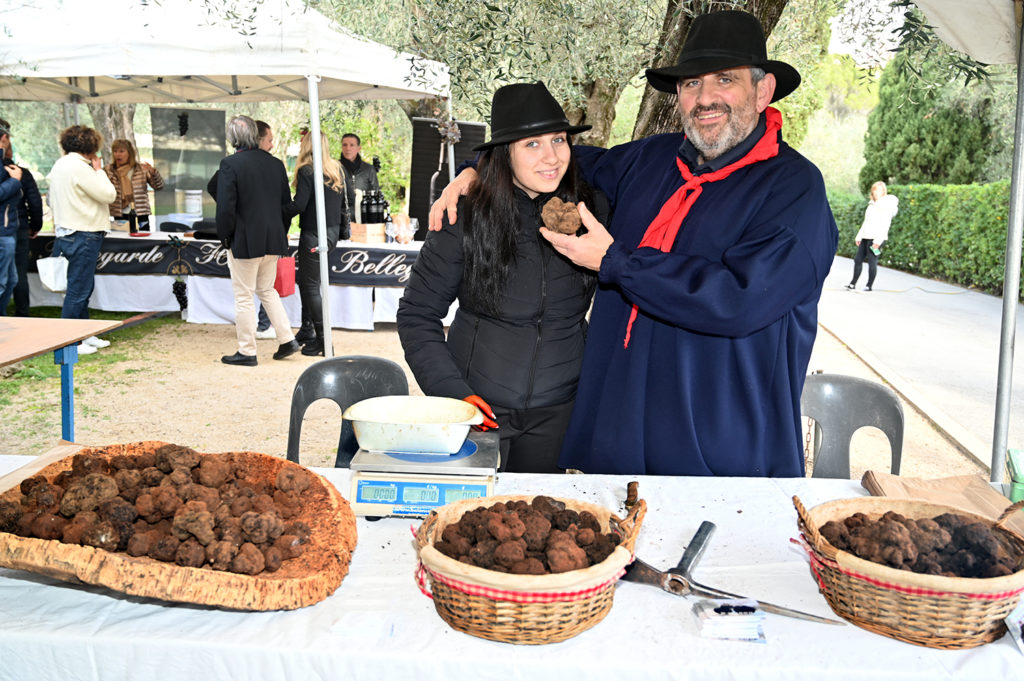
{"type": "Point", "coordinates": [709, 275]}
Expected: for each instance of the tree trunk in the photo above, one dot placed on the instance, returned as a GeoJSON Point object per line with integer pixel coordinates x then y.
{"type": "Point", "coordinates": [431, 107]}
{"type": "Point", "coordinates": [602, 94]}
{"type": "Point", "coordinates": [658, 112]}
{"type": "Point", "coordinates": [113, 121]}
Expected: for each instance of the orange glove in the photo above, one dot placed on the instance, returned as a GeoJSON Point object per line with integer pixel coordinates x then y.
{"type": "Point", "coordinates": [489, 417]}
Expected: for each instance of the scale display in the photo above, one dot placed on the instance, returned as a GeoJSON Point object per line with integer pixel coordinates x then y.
{"type": "Point", "coordinates": [413, 485]}
{"type": "Point", "coordinates": [413, 495]}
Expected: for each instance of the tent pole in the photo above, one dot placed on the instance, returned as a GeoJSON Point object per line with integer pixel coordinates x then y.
{"type": "Point", "coordinates": [451, 147]}
{"type": "Point", "coordinates": [321, 212]}
{"type": "Point", "coordinates": [1011, 283]}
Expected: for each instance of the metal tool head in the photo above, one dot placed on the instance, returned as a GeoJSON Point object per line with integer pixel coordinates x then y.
{"type": "Point", "coordinates": [679, 582]}
{"type": "Point", "coordinates": [694, 550]}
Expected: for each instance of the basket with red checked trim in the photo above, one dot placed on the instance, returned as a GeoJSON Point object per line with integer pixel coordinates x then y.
{"type": "Point", "coordinates": [526, 609]}
{"type": "Point", "coordinates": [926, 610]}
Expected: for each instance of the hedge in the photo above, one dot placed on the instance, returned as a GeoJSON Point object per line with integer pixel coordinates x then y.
{"type": "Point", "coordinates": [955, 233]}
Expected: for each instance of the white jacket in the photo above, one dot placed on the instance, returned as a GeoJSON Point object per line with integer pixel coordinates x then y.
{"type": "Point", "coordinates": [877, 218]}
{"type": "Point", "coordinates": [79, 194]}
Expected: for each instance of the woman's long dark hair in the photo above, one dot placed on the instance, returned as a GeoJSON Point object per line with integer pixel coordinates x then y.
{"type": "Point", "coordinates": [492, 220]}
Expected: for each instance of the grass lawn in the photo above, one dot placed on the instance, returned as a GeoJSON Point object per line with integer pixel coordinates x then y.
{"type": "Point", "coordinates": [23, 383]}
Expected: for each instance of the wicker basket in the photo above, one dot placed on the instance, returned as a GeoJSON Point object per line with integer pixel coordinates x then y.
{"type": "Point", "coordinates": [926, 610]}
{"type": "Point", "coordinates": [529, 609]}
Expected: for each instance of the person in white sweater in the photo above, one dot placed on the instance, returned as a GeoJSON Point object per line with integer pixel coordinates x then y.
{"type": "Point", "coordinates": [874, 231]}
{"type": "Point", "coordinates": [80, 193]}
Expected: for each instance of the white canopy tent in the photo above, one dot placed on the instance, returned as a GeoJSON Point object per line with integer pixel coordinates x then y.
{"type": "Point", "coordinates": [184, 52]}
{"type": "Point", "coordinates": [990, 32]}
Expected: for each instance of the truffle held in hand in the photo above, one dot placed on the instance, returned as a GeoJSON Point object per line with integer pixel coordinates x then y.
{"type": "Point", "coordinates": [561, 216]}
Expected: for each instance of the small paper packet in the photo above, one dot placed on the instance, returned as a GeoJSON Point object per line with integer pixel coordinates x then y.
{"type": "Point", "coordinates": [730, 619]}
{"type": "Point", "coordinates": [1015, 623]}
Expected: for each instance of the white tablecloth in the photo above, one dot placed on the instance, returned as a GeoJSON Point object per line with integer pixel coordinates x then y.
{"type": "Point", "coordinates": [211, 301]}
{"type": "Point", "coordinates": [378, 623]}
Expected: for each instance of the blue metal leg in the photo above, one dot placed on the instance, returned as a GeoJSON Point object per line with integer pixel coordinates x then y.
{"type": "Point", "coordinates": [66, 358]}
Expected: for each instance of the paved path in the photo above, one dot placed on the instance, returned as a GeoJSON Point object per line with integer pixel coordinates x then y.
{"type": "Point", "coordinates": [936, 344]}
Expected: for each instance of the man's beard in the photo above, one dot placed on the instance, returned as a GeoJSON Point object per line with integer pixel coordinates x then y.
{"type": "Point", "coordinates": [740, 123]}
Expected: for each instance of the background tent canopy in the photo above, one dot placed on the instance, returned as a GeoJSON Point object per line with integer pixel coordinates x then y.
{"type": "Point", "coordinates": [178, 51]}
{"type": "Point", "coordinates": [984, 29]}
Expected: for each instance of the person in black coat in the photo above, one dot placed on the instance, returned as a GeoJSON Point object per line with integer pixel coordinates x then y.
{"type": "Point", "coordinates": [252, 193]}
{"type": "Point", "coordinates": [266, 142]}
{"type": "Point", "coordinates": [30, 221]}
{"type": "Point", "coordinates": [336, 218]}
{"type": "Point", "coordinates": [515, 347]}
{"type": "Point", "coordinates": [358, 173]}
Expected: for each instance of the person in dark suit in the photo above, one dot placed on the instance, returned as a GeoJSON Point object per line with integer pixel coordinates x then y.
{"type": "Point", "coordinates": [263, 328]}
{"type": "Point", "coordinates": [252, 192]}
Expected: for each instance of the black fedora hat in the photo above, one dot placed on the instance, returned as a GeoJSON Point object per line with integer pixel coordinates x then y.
{"type": "Point", "coordinates": [523, 110]}
{"type": "Point", "coordinates": [724, 40]}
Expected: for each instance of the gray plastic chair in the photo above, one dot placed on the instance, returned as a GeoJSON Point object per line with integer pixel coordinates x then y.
{"type": "Point", "coordinates": [842, 405]}
{"type": "Point", "coordinates": [346, 380]}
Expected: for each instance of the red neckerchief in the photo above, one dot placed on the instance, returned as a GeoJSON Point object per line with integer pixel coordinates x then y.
{"type": "Point", "coordinates": [661, 233]}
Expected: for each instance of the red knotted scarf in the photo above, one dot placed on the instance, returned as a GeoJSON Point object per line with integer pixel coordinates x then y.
{"type": "Point", "coordinates": [661, 233]}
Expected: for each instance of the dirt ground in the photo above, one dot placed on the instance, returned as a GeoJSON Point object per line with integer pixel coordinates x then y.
{"type": "Point", "coordinates": [173, 387]}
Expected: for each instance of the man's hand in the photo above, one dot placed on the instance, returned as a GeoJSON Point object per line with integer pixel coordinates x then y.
{"type": "Point", "coordinates": [587, 250]}
{"type": "Point", "coordinates": [448, 202]}
{"type": "Point", "coordinates": [14, 171]}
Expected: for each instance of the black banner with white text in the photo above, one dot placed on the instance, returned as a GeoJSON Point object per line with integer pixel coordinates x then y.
{"type": "Point", "coordinates": [349, 264]}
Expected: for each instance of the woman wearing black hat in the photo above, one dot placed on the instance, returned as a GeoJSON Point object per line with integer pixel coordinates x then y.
{"type": "Point", "coordinates": [515, 346]}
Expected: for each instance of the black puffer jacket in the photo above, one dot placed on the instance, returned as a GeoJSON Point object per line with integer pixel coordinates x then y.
{"type": "Point", "coordinates": [529, 353]}
{"type": "Point", "coordinates": [304, 205]}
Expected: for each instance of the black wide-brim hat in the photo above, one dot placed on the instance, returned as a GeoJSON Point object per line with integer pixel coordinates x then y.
{"type": "Point", "coordinates": [724, 40]}
{"type": "Point", "coordinates": [524, 110]}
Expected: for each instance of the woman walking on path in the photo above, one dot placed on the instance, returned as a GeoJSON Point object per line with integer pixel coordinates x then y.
{"type": "Point", "coordinates": [874, 231]}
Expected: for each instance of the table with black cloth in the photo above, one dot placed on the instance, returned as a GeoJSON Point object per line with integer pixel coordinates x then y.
{"type": "Point", "coordinates": [379, 624]}
{"type": "Point", "coordinates": [136, 274]}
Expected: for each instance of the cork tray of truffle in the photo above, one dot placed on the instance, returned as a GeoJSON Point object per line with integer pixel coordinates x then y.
{"type": "Point", "coordinates": [238, 530]}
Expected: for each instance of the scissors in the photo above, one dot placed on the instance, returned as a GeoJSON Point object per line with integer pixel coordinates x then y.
{"type": "Point", "coordinates": [679, 582]}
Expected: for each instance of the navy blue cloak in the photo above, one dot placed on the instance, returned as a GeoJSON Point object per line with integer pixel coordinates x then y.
{"type": "Point", "coordinates": [710, 383]}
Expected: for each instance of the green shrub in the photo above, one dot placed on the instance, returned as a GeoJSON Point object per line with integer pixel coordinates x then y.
{"type": "Point", "coordinates": [955, 233]}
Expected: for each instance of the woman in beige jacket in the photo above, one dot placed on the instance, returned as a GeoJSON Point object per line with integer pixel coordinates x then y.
{"type": "Point", "coordinates": [79, 195]}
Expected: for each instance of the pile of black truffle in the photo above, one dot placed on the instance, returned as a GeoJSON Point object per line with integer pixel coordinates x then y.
{"type": "Point", "coordinates": [172, 505]}
{"type": "Point", "coordinates": [534, 538]}
{"type": "Point", "coordinates": [950, 544]}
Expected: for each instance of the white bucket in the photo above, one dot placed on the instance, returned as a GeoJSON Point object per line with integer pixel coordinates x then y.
{"type": "Point", "coordinates": [194, 201]}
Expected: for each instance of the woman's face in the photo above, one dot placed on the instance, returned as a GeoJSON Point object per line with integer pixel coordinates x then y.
{"type": "Point", "coordinates": [877, 192]}
{"type": "Point", "coordinates": [120, 156]}
{"type": "Point", "coordinates": [539, 163]}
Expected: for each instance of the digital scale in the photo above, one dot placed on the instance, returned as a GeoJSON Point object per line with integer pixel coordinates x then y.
{"type": "Point", "coordinates": [413, 485]}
